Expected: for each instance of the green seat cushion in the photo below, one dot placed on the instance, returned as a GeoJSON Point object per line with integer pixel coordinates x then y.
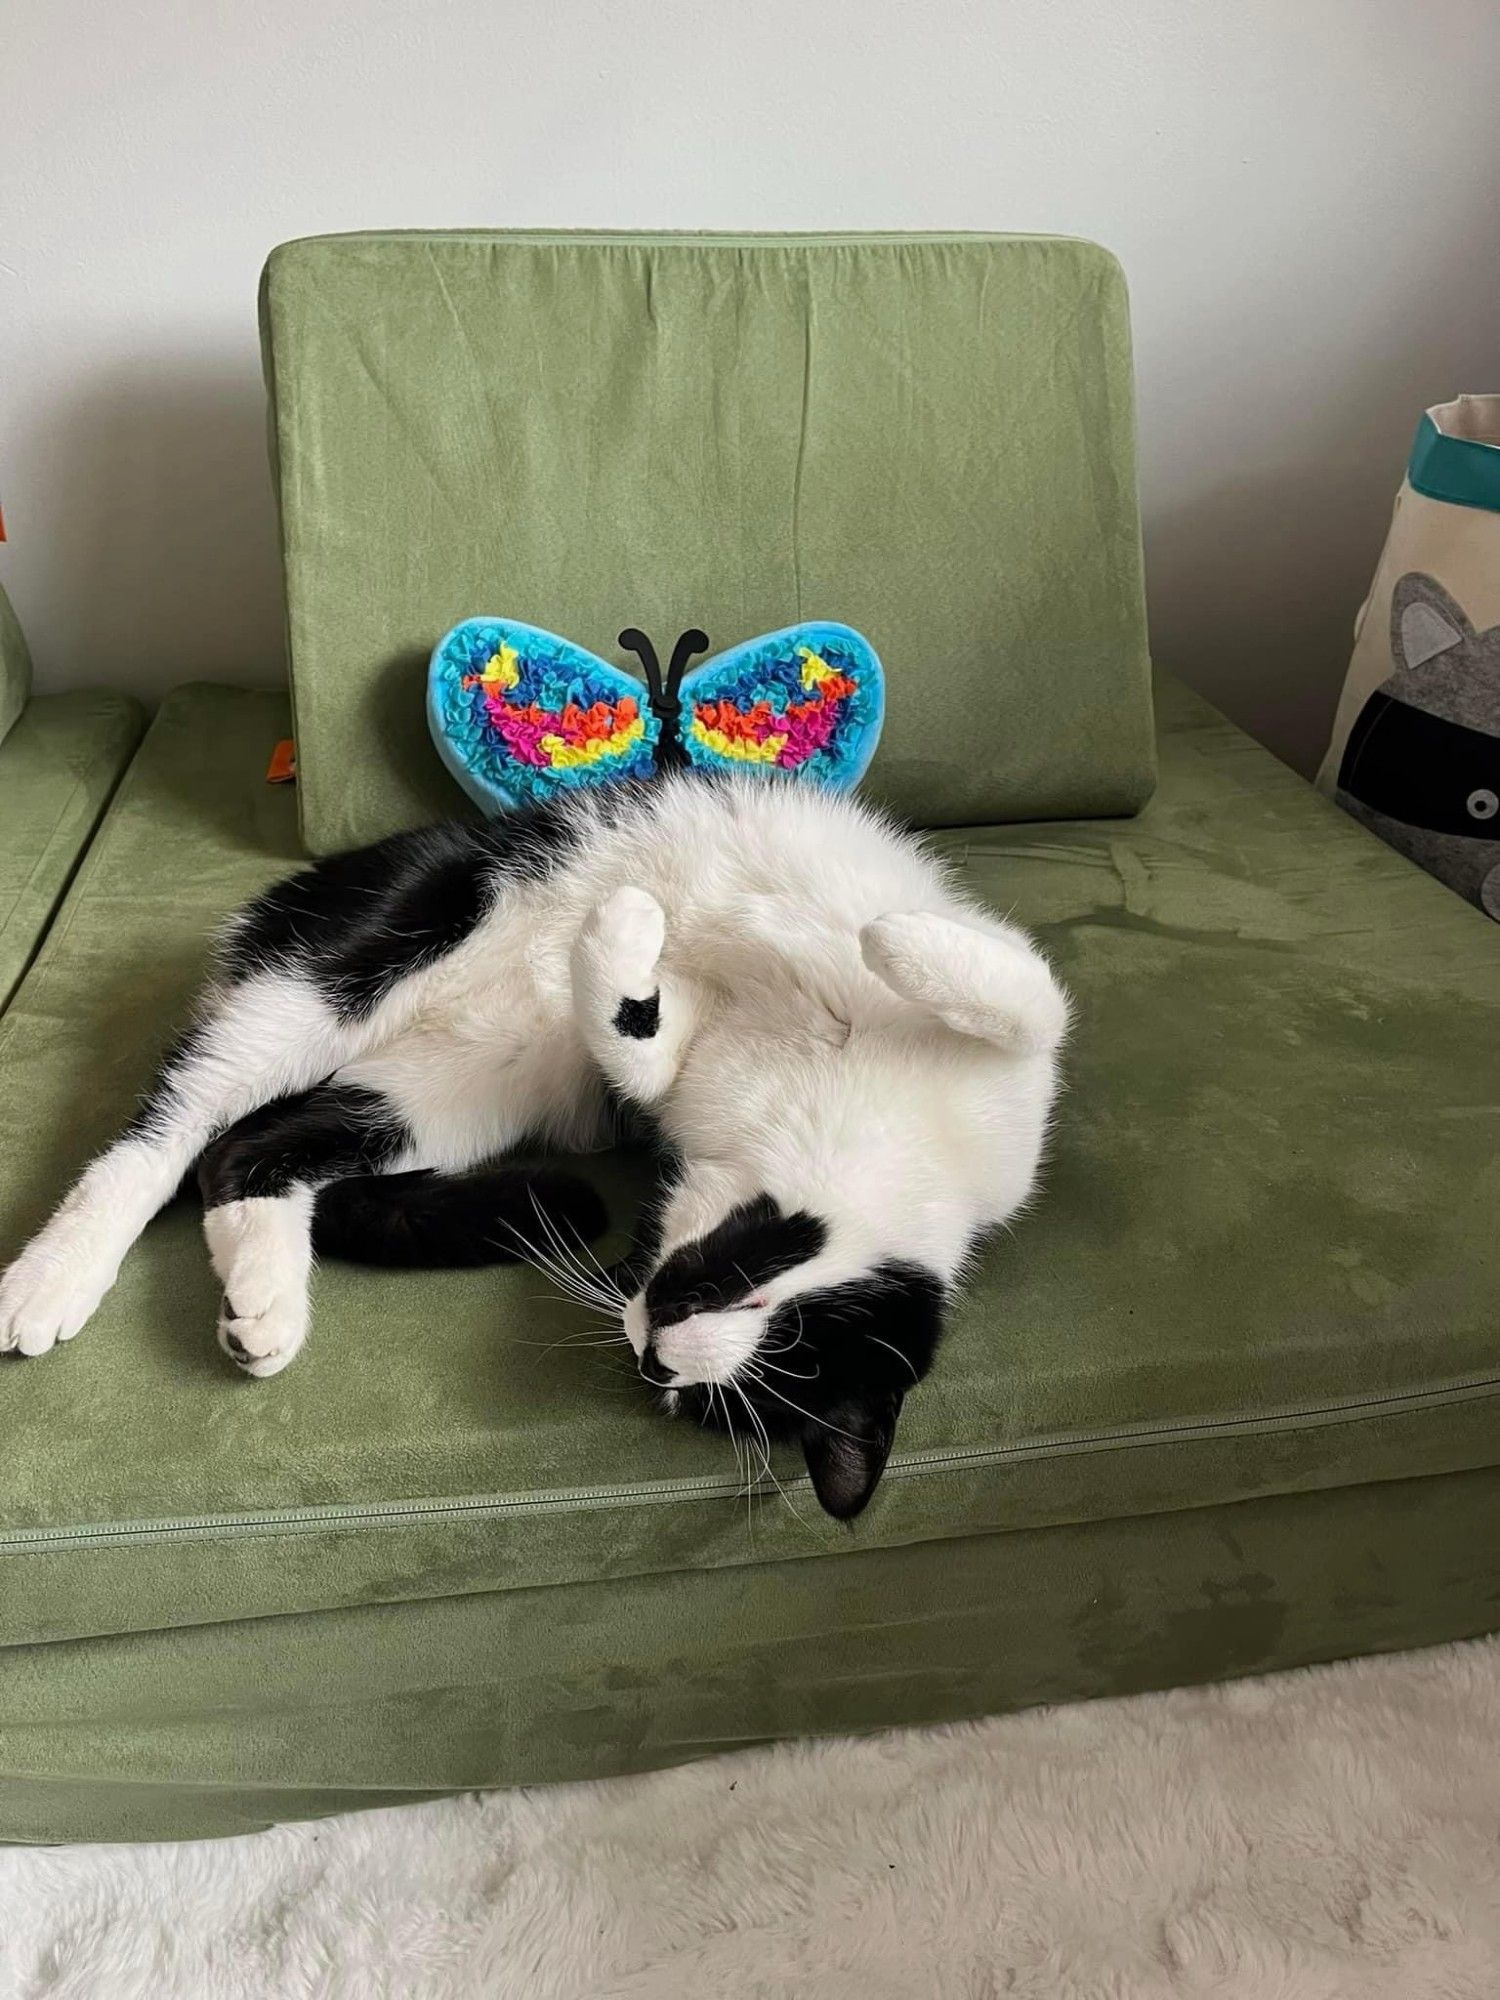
{"type": "Point", "coordinates": [58, 766]}
{"type": "Point", "coordinates": [15, 667]}
{"type": "Point", "coordinates": [929, 438]}
{"type": "Point", "coordinates": [1264, 1261]}
{"type": "Point", "coordinates": [220, 1729]}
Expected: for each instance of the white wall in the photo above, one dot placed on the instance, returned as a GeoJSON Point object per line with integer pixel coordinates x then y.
{"type": "Point", "coordinates": [1303, 192]}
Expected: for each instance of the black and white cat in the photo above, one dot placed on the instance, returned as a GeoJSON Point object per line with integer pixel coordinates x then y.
{"type": "Point", "coordinates": [852, 1066]}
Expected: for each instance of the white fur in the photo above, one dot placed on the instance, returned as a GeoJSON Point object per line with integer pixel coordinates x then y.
{"type": "Point", "coordinates": [1324, 1835]}
{"type": "Point", "coordinates": [839, 1029]}
{"type": "Point", "coordinates": [262, 1253]}
{"type": "Point", "coordinates": [268, 1036]}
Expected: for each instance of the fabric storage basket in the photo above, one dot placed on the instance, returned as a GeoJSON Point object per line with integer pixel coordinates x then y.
{"type": "Point", "coordinates": [1415, 753]}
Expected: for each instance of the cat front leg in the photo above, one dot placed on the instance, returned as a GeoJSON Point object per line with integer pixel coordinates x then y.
{"type": "Point", "coordinates": [637, 1015]}
{"type": "Point", "coordinates": [259, 1181]}
{"type": "Point", "coordinates": [271, 1033]}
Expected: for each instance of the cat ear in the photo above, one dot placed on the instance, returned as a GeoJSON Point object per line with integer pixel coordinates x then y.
{"type": "Point", "coordinates": [847, 1451]}
{"type": "Point", "coordinates": [1425, 621]}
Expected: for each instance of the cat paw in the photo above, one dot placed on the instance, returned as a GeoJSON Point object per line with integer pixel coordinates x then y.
{"type": "Point", "coordinates": [45, 1299]}
{"type": "Point", "coordinates": [623, 938]}
{"type": "Point", "coordinates": [262, 1343]}
{"type": "Point", "coordinates": [900, 949]}
{"type": "Point", "coordinates": [261, 1252]}
{"type": "Point", "coordinates": [981, 980]}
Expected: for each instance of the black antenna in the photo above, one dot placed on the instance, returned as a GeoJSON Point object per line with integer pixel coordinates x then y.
{"type": "Point", "coordinates": [670, 755]}
{"type": "Point", "coordinates": [689, 642]}
{"type": "Point", "coordinates": [635, 641]}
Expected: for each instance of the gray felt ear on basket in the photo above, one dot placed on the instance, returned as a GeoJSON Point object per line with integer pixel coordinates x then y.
{"type": "Point", "coordinates": [1425, 621]}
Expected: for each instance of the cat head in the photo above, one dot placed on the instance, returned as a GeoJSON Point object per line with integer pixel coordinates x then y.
{"type": "Point", "coordinates": [808, 1249]}
{"type": "Point", "coordinates": [779, 1323]}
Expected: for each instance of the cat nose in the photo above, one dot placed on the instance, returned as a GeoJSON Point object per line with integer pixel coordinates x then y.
{"type": "Point", "coordinates": [655, 1371]}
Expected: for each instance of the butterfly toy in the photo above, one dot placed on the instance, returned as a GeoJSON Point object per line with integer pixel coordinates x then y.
{"type": "Point", "coordinates": [519, 715]}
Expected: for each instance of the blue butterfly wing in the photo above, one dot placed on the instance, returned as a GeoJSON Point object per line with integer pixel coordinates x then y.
{"type": "Point", "coordinates": [808, 701]}
{"type": "Point", "coordinates": [519, 715]}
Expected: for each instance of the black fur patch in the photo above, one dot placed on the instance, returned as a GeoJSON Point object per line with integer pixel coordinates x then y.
{"type": "Point", "coordinates": [429, 1221]}
{"type": "Point", "coordinates": [752, 1245]}
{"type": "Point", "coordinates": [359, 922]}
{"type": "Point", "coordinates": [303, 1140]}
{"type": "Point", "coordinates": [831, 1374]}
{"type": "Point", "coordinates": [638, 1019]}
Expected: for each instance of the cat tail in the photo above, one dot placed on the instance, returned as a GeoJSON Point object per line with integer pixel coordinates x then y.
{"type": "Point", "coordinates": [431, 1221]}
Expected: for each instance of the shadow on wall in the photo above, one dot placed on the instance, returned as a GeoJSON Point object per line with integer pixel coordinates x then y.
{"type": "Point", "coordinates": [160, 564]}
{"type": "Point", "coordinates": [1253, 593]}
{"type": "Point", "coordinates": [1276, 511]}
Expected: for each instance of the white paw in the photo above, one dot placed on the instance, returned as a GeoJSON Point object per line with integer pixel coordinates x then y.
{"type": "Point", "coordinates": [985, 981]}
{"type": "Point", "coordinates": [623, 936]}
{"type": "Point", "coordinates": [45, 1297]}
{"type": "Point", "coordinates": [262, 1343]}
{"type": "Point", "coordinates": [899, 949]}
{"type": "Point", "coordinates": [261, 1251]}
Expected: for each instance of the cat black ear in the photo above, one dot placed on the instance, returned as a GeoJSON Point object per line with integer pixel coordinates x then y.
{"type": "Point", "coordinates": [1425, 620]}
{"type": "Point", "coordinates": [846, 1453]}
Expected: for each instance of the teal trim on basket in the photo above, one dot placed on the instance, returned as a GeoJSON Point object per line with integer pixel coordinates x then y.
{"type": "Point", "coordinates": [1459, 470]}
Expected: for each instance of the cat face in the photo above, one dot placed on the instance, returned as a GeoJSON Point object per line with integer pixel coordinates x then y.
{"type": "Point", "coordinates": [777, 1324]}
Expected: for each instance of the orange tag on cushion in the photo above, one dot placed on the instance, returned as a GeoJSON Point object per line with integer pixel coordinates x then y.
{"type": "Point", "coordinates": [282, 769]}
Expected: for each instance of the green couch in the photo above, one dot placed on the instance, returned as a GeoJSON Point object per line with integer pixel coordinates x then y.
{"type": "Point", "coordinates": [1225, 1401]}
{"type": "Point", "coordinates": [61, 757]}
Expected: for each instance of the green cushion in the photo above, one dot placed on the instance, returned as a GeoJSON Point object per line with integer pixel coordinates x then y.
{"type": "Point", "coordinates": [15, 668]}
{"type": "Point", "coordinates": [1264, 1261]}
{"type": "Point", "coordinates": [58, 767]}
{"type": "Point", "coordinates": [220, 1729]}
{"type": "Point", "coordinates": [927, 437]}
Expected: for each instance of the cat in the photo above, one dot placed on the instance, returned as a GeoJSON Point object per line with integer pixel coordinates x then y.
{"type": "Point", "coordinates": [851, 1066]}
{"type": "Point", "coordinates": [1422, 764]}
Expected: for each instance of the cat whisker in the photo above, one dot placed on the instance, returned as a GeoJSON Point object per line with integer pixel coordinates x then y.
{"type": "Point", "coordinates": [822, 1422]}
{"type": "Point", "coordinates": [597, 1280]}
{"type": "Point", "coordinates": [763, 1445]}
{"type": "Point", "coordinates": [796, 1374]}
{"type": "Point", "coordinates": [566, 1279]}
{"type": "Point", "coordinates": [606, 1278]}
{"type": "Point", "coordinates": [898, 1354]}
{"type": "Point", "coordinates": [566, 1249]}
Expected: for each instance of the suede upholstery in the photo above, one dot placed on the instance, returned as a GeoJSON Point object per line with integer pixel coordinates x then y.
{"type": "Point", "coordinates": [59, 764]}
{"type": "Point", "coordinates": [1262, 1266]}
{"type": "Point", "coordinates": [734, 432]}
{"type": "Point", "coordinates": [15, 667]}
{"type": "Point", "coordinates": [220, 1729]}
{"type": "Point", "coordinates": [1224, 1401]}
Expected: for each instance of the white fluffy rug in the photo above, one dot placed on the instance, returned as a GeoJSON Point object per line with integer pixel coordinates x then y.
{"type": "Point", "coordinates": [1328, 1835]}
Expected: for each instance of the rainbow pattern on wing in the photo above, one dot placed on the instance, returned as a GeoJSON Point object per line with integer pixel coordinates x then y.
{"type": "Point", "coordinates": [519, 713]}
{"type": "Point", "coordinates": [773, 729]}
{"type": "Point", "coordinates": [808, 700]}
{"type": "Point", "coordinates": [548, 738]}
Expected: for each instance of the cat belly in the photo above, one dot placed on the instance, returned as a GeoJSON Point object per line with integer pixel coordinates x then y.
{"type": "Point", "coordinates": [481, 1051]}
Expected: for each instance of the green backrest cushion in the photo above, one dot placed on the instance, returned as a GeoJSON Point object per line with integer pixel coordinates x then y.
{"type": "Point", "coordinates": [930, 438]}
{"type": "Point", "coordinates": [15, 667]}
